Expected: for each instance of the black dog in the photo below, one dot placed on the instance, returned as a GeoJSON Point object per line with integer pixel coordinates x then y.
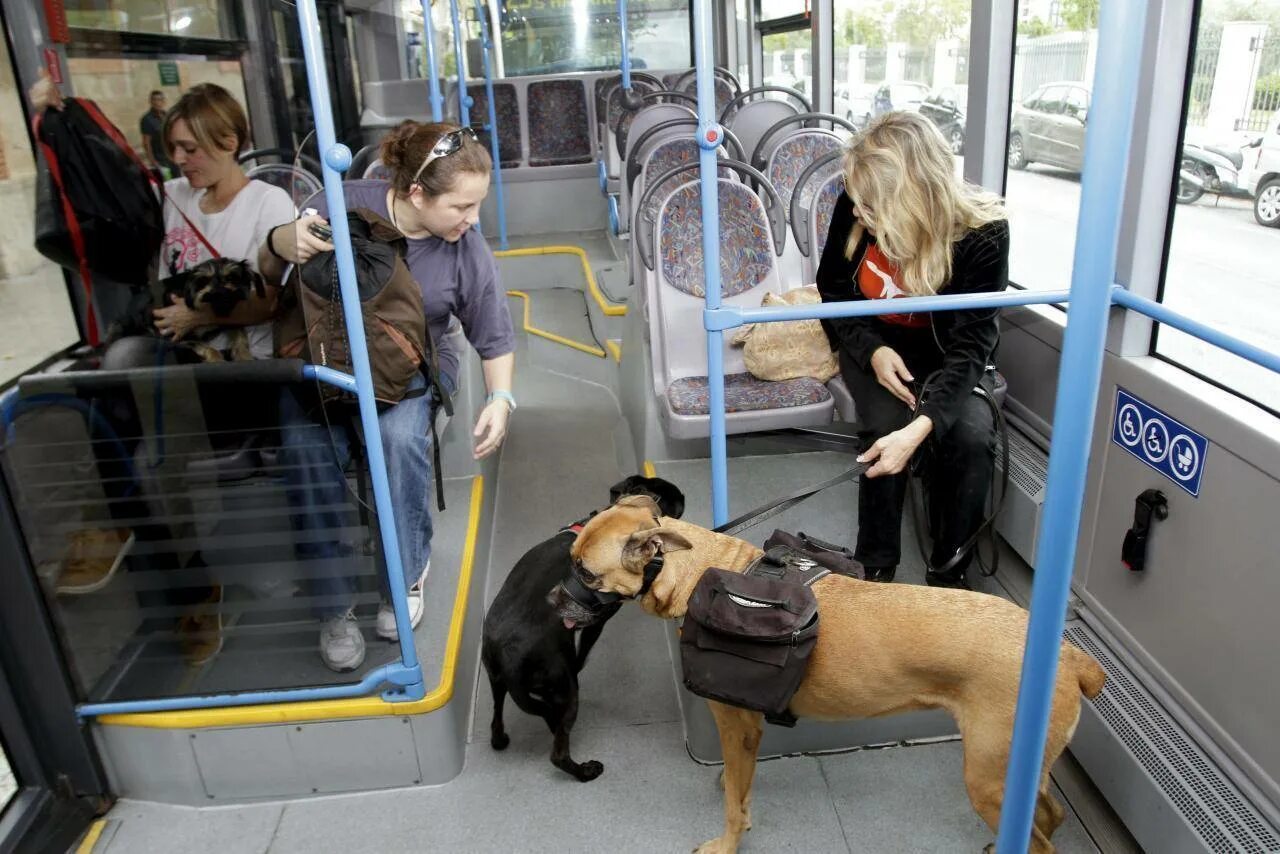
{"type": "Point", "coordinates": [218, 283]}
{"type": "Point", "coordinates": [527, 650]}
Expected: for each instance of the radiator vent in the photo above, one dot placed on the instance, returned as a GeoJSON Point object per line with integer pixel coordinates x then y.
{"type": "Point", "coordinates": [1028, 466]}
{"type": "Point", "coordinates": [1219, 814]}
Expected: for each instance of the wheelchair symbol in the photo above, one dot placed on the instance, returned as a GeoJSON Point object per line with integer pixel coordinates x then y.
{"type": "Point", "coordinates": [1130, 425]}
{"type": "Point", "coordinates": [1155, 440]}
{"type": "Point", "coordinates": [1185, 457]}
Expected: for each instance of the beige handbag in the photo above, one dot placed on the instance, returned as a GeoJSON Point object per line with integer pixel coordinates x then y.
{"type": "Point", "coordinates": [790, 349]}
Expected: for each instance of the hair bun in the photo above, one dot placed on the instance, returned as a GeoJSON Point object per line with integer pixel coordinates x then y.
{"type": "Point", "coordinates": [395, 148]}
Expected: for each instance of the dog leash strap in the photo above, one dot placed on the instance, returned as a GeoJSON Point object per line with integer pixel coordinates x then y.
{"type": "Point", "coordinates": [774, 508]}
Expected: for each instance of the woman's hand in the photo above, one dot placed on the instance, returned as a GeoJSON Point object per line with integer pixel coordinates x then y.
{"type": "Point", "coordinates": [891, 371]}
{"type": "Point", "coordinates": [491, 428]}
{"type": "Point", "coordinates": [891, 453]}
{"type": "Point", "coordinates": [44, 93]}
{"type": "Point", "coordinates": [177, 321]}
{"type": "Point", "coordinates": [294, 241]}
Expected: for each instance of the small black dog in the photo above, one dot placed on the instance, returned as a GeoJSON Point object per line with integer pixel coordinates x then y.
{"type": "Point", "coordinates": [527, 650]}
{"type": "Point", "coordinates": [219, 283]}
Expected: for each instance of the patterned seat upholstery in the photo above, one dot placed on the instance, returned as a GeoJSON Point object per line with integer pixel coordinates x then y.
{"type": "Point", "coordinates": [793, 155]}
{"type": "Point", "coordinates": [558, 129]}
{"type": "Point", "coordinates": [745, 393]}
{"type": "Point", "coordinates": [662, 159]}
{"type": "Point", "coordinates": [507, 110]}
{"type": "Point", "coordinates": [748, 267]}
{"type": "Point", "coordinates": [823, 207]}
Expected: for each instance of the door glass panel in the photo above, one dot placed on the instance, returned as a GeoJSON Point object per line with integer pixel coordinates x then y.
{"type": "Point", "coordinates": [36, 319]}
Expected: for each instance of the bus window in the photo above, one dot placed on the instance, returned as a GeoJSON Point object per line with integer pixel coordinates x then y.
{"type": "Point", "coordinates": [190, 19]}
{"type": "Point", "coordinates": [36, 318]}
{"type": "Point", "coordinates": [1221, 261]}
{"type": "Point", "coordinates": [1051, 70]}
{"type": "Point", "coordinates": [910, 58]}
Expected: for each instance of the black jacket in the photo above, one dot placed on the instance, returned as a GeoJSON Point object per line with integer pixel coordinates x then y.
{"type": "Point", "coordinates": [960, 343]}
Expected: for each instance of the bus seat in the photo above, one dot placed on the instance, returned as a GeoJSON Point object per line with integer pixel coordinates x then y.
{"type": "Point", "coordinates": [749, 270]}
{"type": "Point", "coordinates": [507, 110]}
{"type": "Point", "coordinates": [294, 180]}
{"type": "Point", "coordinates": [376, 171]}
{"type": "Point", "coordinates": [361, 159]}
{"type": "Point", "coordinates": [558, 127]}
{"type": "Point", "coordinates": [792, 155]}
{"type": "Point", "coordinates": [812, 205]}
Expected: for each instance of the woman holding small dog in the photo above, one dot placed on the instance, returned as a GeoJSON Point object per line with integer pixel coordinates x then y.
{"type": "Point", "coordinates": [907, 226]}
{"type": "Point", "coordinates": [212, 211]}
{"type": "Point", "coordinates": [439, 178]}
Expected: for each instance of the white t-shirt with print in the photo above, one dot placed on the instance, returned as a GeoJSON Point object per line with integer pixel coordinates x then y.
{"type": "Point", "coordinates": [237, 231]}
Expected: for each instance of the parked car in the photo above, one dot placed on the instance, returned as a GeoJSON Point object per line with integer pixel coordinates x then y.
{"type": "Point", "coordinates": [1263, 179]}
{"type": "Point", "coordinates": [899, 96]}
{"type": "Point", "coordinates": [1048, 127]}
{"type": "Point", "coordinates": [946, 109]}
{"type": "Point", "coordinates": [855, 104]}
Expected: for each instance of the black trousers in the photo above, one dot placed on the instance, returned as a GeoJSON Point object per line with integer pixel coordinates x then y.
{"type": "Point", "coordinates": [956, 469]}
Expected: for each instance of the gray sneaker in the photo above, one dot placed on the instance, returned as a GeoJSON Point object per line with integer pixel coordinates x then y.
{"type": "Point", "coordinates": [387, 616]}
{"type": "Point", "coordinates": [341, 643]}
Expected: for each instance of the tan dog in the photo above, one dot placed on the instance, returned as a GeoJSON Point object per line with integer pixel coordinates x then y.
{"type": "Point", "coordinates": [882, 649]}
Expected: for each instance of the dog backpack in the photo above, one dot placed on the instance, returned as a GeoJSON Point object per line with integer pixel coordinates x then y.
{"type": "Point", "coordinates": [747, 637]}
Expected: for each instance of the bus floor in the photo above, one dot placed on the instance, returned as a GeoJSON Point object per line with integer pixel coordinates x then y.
{"type": "Point", "coordinates": [559, 461]}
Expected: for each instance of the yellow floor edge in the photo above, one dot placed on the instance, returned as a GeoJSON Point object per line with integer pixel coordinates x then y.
{"type": "Point", "coordinates": [355, 707]}
{"type": "Point", "coordinates": [551, 336]}
{"type": "Point", "coordinates": [91, 837]}
{"type": "Point", "coordinates": [610, 309]}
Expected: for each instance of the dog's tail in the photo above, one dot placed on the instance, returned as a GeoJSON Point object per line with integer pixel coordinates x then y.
{"type": "Point", "coordinates": [1089, 672]}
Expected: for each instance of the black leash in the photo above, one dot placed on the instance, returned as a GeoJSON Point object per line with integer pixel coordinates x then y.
{"type": "Point", "coordinates": [773, 508]}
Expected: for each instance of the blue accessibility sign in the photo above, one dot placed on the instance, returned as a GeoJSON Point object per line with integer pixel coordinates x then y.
{"type": "Point", "coordinates": [1164, 443]}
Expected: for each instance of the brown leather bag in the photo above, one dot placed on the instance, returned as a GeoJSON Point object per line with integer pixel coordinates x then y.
{"type": "Point", "coordinates": [310, 321]}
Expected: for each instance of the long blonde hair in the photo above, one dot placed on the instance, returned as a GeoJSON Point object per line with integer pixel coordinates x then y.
{"type": "Point", "coordinates": [901, 177]}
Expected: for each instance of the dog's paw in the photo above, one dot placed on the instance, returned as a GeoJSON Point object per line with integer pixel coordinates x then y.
{"type": "Point", "coordinates": [499, 741]}
{"type": "Point", "coordinates": [589, 770]}
{"type": "Point", "coordinates": [715, 846]}
{"type": "Point", "coordinates": [990, 849]}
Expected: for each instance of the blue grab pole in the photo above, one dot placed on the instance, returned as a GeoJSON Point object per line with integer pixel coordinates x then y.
{"type": "Point", "coordinates": [1107, 144]}
{"type": "Point", "coordinates": [626, 53]}
{"type": "Point", "coordinates": [433, 75]}
{"type": "Point", "coordinates": [464, 100]}
{"type": "Point", "coordinates": [709, 136]}
{"type": "Point", "coordinates": [335, 160]}
{"type": "Point", "coordinates": [1157, 311]}
{"type": "Point", "coordinates": [487, 50]}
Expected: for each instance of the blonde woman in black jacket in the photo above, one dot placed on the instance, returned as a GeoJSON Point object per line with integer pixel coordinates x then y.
{"type": "Point", "coordinates": [907, 226]}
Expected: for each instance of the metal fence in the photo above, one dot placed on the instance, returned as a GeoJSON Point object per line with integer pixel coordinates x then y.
{"type": "Point", "coordinates": [1265, 99]}
{"type": "Point", "coordinates": [1050, 59]}
{"type": "Point", "coordinates": [1203, 70]}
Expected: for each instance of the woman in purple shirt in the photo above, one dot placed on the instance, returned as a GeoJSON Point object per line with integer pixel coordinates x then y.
{"type": "Point", "coordinates": [439, 176]}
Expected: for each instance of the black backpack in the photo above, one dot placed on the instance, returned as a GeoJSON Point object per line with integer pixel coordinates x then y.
{"type": "Point", "coordinates": [97, 211]}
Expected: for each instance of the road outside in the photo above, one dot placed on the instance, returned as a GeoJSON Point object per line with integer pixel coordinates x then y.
{"type": "Point", "coordinates": [1222, 271]}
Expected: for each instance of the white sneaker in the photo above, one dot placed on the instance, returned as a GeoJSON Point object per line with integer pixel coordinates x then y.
{"type": "Point", "coordinates": [341, 643]}
{"type": "Point", "coordinates": [387, 615]}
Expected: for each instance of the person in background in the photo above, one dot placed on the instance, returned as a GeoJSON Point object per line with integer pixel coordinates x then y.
{"type": "Point", "coordinates": [151, 126]}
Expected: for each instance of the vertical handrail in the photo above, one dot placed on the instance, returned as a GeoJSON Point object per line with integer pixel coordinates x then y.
{"type": "Point", "coordinates": [433, 74]}
{"type": "Point", "coordinates": [1107, 144]}
{"type": "Point", "coordinates": [626, 53]}
{"type": "Point", "coordinates": [464, 100]}
{"type": "Point", "coordinates": [709, 137]}
{"type": "Point", "coordinates": [486, 52]}
{"type": "Point", "coordinates": [335, 159]}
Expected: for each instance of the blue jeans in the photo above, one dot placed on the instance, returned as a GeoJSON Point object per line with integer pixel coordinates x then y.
{"type": "Point", "coordinates": [314, 456]}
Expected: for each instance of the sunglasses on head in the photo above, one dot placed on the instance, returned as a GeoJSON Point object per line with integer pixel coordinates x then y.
{"type": "Point", "coordinates": [446, 145]}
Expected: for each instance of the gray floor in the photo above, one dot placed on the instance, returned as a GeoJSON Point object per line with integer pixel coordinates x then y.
{"type": "Point", "coordinates": [651, 796]}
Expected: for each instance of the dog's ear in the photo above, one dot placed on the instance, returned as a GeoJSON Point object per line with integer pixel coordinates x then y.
{"type": "Point", "coordinates": [640, 501]}
{"type": "Point", "coordinates": [648, 542]}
